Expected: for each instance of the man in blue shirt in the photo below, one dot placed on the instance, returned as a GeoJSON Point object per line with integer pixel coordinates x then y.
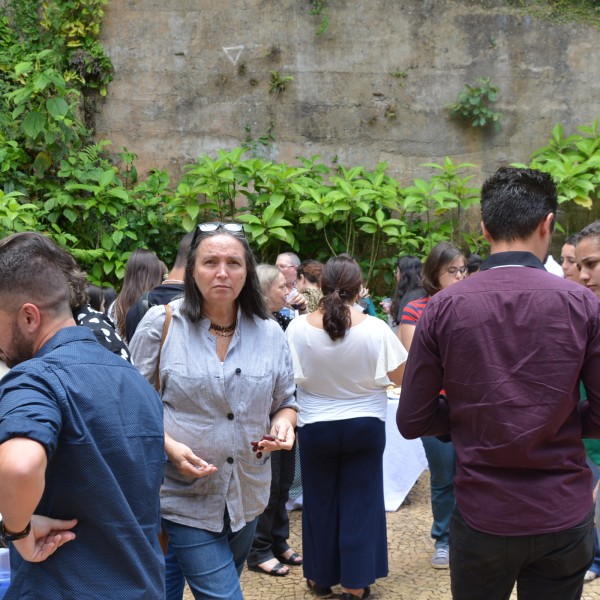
{"type": "Point", "coordinates": [81, 444]}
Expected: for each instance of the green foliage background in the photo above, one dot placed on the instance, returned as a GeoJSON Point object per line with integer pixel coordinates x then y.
{"type": "Point", "coordinates": [55, 179]}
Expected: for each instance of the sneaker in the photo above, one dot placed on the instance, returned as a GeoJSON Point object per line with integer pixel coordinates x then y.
{"type": "Point", "coordinates": [589, 576]}
{"type": "Point", "coordinates": [441, 558]}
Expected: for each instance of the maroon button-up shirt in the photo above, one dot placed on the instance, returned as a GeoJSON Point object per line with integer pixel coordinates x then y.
{"type": "Point", "coordinates": [509, 345]}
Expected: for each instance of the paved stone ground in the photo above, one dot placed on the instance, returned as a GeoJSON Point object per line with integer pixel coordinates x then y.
{"type": "Point", "coordinates": [410, 548]}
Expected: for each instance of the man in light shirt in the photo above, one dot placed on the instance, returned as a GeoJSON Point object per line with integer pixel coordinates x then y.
{"type": "Point", "coordinates": [288, 264]}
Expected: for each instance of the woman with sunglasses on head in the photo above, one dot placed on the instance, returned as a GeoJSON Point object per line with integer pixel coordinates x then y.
{"type": "Point", "coordinates": [343, 361]}
{"type": "Point", "coordinates": [226, 380]}
{"type": "Point", "coordinates": [445, 266]}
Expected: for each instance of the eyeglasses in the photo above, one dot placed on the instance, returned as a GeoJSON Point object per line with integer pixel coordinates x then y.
{"type": "Point", "coordinates": [454, 270]}
{"type": "Point", "coordinates": [231, 227]}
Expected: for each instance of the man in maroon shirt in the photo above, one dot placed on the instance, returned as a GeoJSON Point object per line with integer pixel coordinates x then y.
{"type": "Point", "coordinates": [509, 346]}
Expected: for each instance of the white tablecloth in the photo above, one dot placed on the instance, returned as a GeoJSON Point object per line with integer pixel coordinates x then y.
{"type": "Point", "coordinates": [403, 463]}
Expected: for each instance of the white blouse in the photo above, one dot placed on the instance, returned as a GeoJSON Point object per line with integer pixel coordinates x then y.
{"type": "Point", "coordinates": [343, 379]}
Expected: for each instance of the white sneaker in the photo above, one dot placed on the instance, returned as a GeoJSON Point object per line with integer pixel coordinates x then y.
{"type": "Point", "coordinates": [441, 558]}
{"type": "Point", "coordinates": [589, 576]}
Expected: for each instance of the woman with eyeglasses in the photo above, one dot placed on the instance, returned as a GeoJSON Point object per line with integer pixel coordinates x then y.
{"type": "Point", "coordinates": [445, 266]}
{"type": "Point", "coordinates": [226, 380]}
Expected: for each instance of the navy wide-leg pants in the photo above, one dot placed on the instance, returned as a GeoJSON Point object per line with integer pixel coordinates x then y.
{"type": "Point", "coordinates": [344, 537]}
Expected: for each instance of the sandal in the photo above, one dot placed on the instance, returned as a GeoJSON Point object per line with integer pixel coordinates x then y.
{"type": "Point", "coordinates": [278, 570]}
{"type": "Point", "coordinates": [318, 591]}
{"type": "Point", "coordinates": [348, 596]}
{"type": "Point", "coordinates": [294, 560]}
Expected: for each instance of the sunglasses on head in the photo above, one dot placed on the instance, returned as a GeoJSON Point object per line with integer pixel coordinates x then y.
{"type": "Point", "coordinates": [231, 227]}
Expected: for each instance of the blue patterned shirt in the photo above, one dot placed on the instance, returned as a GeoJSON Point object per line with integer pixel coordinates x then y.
{"type": "Point", "coordinates": [101, 425]}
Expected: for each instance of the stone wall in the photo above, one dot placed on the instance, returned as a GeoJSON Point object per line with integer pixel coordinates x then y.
{"type": "Point", "coordinates": [192, 76]}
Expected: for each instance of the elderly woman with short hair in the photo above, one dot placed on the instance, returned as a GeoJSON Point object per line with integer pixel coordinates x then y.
{"type": "Point", "coordinates": [271, 554]}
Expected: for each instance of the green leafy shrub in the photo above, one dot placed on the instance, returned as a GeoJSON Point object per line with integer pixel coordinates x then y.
{"type": "Point", "coordinates": [473, 104]}
{"type": "Point", "coordinates": [55, 179]}
{"type": "Point", "coordinates": [573, 162]}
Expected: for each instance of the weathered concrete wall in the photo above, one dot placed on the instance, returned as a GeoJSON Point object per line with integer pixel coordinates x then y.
{"type": "Point", "coordinates": [191, 75]}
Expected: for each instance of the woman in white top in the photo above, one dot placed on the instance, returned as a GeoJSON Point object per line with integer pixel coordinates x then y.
{"type": "Point", "coordinates": [343, 361]}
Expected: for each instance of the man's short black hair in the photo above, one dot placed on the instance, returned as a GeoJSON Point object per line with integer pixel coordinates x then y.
{"type": "Point", "coordinates": [514, 202]}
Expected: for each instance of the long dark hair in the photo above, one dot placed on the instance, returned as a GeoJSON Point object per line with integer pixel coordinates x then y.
{"type": "Point", "coordinates": [440, 257]}
{"type": "Point", "coordinates": [250, 299]}
{"type": "Point", "coordinates": [410, 279]}
{"type": "Point", "coordinates": [142, 273]}
{"type": "Point", "coordinates": [340, 281]}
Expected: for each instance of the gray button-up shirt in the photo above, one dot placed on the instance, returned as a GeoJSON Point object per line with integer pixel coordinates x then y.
{"type": "Point", "coordinates": [216, 409]}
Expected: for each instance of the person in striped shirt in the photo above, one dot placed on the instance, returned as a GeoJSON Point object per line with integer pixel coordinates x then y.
{"type": "Point", "coordinates": [445, 266]}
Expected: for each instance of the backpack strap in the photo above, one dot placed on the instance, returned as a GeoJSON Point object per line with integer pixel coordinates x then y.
{"type": "Point", "coordinates": [143, 304]}
{"type": "Point", "coordinates": [165, 331]}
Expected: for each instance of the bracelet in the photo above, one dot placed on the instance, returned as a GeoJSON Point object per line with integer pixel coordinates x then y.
{"type": "Point", "coordinates": [13, 537]}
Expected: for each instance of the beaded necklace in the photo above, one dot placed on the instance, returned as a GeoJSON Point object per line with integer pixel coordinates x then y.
{"type": "Point", "coordinates": [223, 330]}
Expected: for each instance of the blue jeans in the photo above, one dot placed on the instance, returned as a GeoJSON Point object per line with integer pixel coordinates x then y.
{"type": "Point", "coordinates": [211, 562]}
{"type": "Point", "coordinates": [596, 564]}
{"type": "Point", "coordinates": [174, 579]}
{"type": "Point", "coordinates": [440, 456]}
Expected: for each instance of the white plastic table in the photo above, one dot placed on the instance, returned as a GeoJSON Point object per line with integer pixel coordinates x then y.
{"type": "Point", "coordinates": [403, 462]}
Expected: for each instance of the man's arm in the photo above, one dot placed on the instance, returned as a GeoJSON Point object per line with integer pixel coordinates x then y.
{"type": "Point", "coordinates": [421, 411]}
{"type": "Point", "coordinates": [22, 472]}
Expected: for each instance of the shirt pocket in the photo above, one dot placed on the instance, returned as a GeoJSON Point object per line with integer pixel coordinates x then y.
{"type": "Point", "coordinates": [254, 400]}
{"type": "Point", "coordinates": [185, 393]}
{"type": "Point", "coordinates": [254, 475]}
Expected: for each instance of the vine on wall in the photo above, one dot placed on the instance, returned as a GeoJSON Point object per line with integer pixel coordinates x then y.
{"type": "Point", "coordinates": [585, 11]}
{"type": "Point", "coordinates": [55, 179]}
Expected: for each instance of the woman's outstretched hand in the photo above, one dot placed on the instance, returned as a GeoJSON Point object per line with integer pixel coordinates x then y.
{"type": "Point", "coordinates": [185, 461]}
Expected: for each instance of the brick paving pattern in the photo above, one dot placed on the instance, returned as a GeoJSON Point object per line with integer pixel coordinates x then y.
{"type": "Point", "coordinates": [410, 547]}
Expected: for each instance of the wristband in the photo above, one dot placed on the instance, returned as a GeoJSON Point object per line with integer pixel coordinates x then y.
{"type": "Point", "coordinates": [13, 537]}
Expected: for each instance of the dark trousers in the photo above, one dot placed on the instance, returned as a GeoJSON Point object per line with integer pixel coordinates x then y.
{"type": "Point", "coordinates": [343, 511]}
{"type": "Point", "coordinates": [273, 527]}
{"type": "Point", "coordinates": [548, 566]}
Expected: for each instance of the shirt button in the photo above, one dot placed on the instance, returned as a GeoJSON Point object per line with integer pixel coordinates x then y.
{"type": "Point", "coordinates": [230, 416]}
{"type": "Point", "coordinates": [238, 371]}
{"type": "Point", "coordinates": [230, 460]}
